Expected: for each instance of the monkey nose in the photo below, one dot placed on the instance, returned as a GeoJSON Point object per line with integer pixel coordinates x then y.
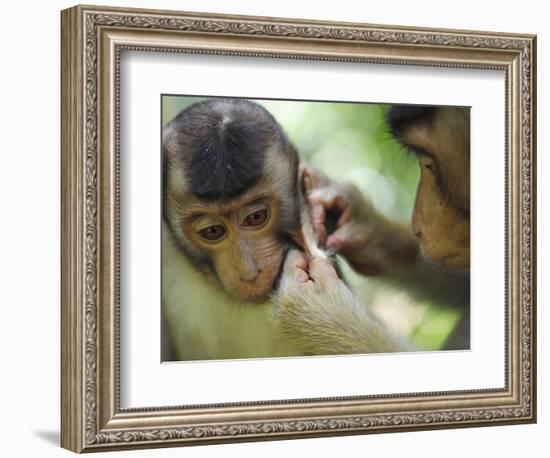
{"type": "Point", "coordinates": [250, 276]}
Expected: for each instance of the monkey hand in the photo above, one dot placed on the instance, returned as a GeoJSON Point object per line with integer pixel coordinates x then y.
{"type": "Point", "coordinates": [348, 223]}
{"type": "Point", "coordinates": [300, 270]}
{"type": "Point", "coordinates": [334, 208]}
{"type": "Point", "coordinates": [315, 309]}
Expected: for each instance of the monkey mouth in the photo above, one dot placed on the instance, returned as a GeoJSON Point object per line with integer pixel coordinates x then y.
{"type": "Point", "coordinates": [457, 262]}
{"type": "Point", "coordinates": [449, 263]}
{"type": "Point", "coordinates": [260, 293]}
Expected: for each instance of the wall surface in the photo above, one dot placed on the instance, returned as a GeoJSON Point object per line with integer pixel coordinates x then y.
{"type": "Point", "coordinates": [29, 246]}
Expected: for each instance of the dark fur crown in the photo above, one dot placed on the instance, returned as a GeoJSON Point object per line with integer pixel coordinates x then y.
{"type": "Point", "coordinates": [222, 144]}
{"type": "Point", "coordinates": [400, 117]}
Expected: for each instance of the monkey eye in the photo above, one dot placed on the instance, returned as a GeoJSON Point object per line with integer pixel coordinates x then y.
{"type": "Point", "coordinates": [428, 163]}
{"type": "Point", "coordinates": [256, 218]}
{"type": "Point", "coordinates": [213, 233]}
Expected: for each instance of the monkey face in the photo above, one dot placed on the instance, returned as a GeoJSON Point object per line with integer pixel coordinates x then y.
{"type": "Point", "coordinates": [230, 193]}
{"type": "Point", "coordinates": [441, 219]}
{"type": "Point", "coordinates": [443, 231]}
{"type": "Point", "coordinates": [242, 240]}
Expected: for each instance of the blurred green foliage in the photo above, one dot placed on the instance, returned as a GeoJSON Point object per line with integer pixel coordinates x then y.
{"type": "Point", "coordinates": [351, 142]}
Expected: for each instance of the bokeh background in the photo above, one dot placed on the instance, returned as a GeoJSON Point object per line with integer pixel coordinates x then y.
{"type": "Point", "coordinates": [351, 142]}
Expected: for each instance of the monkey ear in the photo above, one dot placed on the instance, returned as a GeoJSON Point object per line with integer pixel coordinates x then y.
{"type": "Point", "coordinates": [303, 179]}
{"type": "Point", "coordinates": [310, 178]}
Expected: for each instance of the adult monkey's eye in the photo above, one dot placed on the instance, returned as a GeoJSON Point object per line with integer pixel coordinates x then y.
{"type": "Point", "coordinates": [429, 166]}
{"type": "Point", "coordinates": [257, 218]}
{"type": "Point", "coordinates": [428, 163]}
{"type": "Point", "coordinates": [213, 233]}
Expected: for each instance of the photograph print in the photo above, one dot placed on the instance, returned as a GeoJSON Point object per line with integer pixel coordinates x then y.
{"type": "Point", "coordinates": [308, 228]}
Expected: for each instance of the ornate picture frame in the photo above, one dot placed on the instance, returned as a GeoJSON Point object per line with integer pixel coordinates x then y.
{"type": "Point", "coordinates": [93, 39]}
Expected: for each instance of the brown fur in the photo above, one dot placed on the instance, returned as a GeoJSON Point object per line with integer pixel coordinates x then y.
{"type": "Point", "coordinates": [322, 316]}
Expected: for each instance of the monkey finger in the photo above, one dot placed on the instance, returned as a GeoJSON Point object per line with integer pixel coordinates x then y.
{"type": "Point", "coordinates": [321, 270]}
{"type": "Point", "coordinates": [318, 216]}
{"type": "Point", "coordinates": [324, 196]}
{"type": "Point", "coordinates": [346, 211]}
{"type": "Point", "coordinates": [296, 259]}
{"type": "Point", "coordinates": [336, 242]}
{"type": "Point", "coordinates": [301, 276]}
{"type": "Point", "coordinates": [333, 201]}
{"type": "Point", "coordinates": [345, 238]}
{"type": "Point", "coordinates": [324, 202]}
{"type": "Point", "coordinates": [318, 213]}
{"type": "Point", "coordinates": [296, 265]}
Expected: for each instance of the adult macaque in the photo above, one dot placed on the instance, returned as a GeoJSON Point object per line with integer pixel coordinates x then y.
{"type": "Point", "coordinates": [431, 260]}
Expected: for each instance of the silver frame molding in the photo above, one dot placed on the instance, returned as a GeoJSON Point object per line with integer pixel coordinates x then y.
{"type": "Point", "coordinates": [92, 40]}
